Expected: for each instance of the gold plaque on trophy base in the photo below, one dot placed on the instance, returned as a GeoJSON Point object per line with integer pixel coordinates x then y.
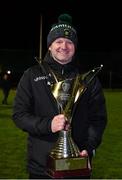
{"type": "Point", "coordinates": [68, 167]}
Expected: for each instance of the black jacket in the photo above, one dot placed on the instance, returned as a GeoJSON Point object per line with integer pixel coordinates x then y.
{"type": "Point", "coordinates": [35, 107]}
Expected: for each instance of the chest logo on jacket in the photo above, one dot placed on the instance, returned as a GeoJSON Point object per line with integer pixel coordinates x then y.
{"type": "Point", "coordinates": [39, 78]}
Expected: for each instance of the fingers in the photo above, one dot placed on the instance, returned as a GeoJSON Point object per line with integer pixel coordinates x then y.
{"type": "Point", "coordinates": [58, 123]}
{"type": "Point", "coordinates": [84, 153]}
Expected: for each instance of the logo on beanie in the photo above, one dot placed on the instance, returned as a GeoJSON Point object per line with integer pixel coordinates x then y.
{"type": "Point", "coordinates": [61, 26]}
{"type": "Point", "coordinates": [67, 32]}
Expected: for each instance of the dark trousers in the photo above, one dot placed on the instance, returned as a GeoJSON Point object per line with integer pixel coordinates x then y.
{"type": "Point", "coordinates": [5, 93]}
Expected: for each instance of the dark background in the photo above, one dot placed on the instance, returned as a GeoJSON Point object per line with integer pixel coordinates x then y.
{"type": "Point", "coordinates": [98, 26]}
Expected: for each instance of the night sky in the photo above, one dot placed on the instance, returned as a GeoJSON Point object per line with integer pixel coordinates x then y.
{"type": "Point", "coordinates": [98, 25]}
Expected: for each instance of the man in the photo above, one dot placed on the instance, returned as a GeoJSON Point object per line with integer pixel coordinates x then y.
{"type": "Point", "coordinates": [35, 108]}
{"type": "Point", "coordinates": [6, 85]}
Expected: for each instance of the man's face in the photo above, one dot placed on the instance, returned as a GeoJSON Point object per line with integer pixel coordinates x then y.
{"type": "Point", "coordinates": [62, 50]}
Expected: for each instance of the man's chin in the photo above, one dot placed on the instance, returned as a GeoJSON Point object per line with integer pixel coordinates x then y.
{"type": "Point", "coordinates": [63, 61]}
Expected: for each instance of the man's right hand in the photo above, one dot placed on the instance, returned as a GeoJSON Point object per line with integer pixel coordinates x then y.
{"type": "Point", "coordinates": [58, 123]}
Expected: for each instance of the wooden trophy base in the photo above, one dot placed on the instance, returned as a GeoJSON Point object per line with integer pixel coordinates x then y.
{"type": "Point", "coordinates": [68, 167]}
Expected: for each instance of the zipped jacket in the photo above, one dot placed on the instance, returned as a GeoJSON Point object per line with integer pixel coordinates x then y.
{"type": "Point", "coordinates": [35, 106]}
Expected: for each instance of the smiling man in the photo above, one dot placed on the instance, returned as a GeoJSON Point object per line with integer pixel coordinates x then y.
{"type": "Point", "coordinates": [35, 108]}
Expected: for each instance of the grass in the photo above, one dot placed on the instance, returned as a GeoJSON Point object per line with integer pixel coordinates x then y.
{"type": "Point", "coordinates": [107, 163]}
{"type": "Point", "coordinates": [12, 144]}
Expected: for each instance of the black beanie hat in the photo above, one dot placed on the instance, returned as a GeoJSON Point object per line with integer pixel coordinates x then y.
{"type": "Point", "coordinates": [63, 29]}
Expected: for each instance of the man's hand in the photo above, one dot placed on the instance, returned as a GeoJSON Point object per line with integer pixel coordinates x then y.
{"type": "Point", "coordinates": [58, 123]}
{"type": "Point", "coordinates": [84, 153]}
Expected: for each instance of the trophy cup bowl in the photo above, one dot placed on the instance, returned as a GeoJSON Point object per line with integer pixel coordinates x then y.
{"type": "Point", "coordinates": [64, 159]}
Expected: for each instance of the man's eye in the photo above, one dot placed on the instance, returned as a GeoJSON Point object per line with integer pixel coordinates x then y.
{"type": "Point", "coordinates": [69, 42]}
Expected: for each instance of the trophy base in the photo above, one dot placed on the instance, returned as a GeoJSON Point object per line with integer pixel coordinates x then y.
{"type": "Point", "coordinates": [68, 167]}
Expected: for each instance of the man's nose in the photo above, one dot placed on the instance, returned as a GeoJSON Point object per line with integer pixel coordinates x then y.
{"type": "Point", "coordinates": [64, 45]}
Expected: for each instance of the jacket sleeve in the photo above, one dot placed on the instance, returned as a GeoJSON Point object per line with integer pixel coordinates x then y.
{"type": "Point", "coordinates": [97, 116]}
{"type": "Point", "coordinates": [23, 113]}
